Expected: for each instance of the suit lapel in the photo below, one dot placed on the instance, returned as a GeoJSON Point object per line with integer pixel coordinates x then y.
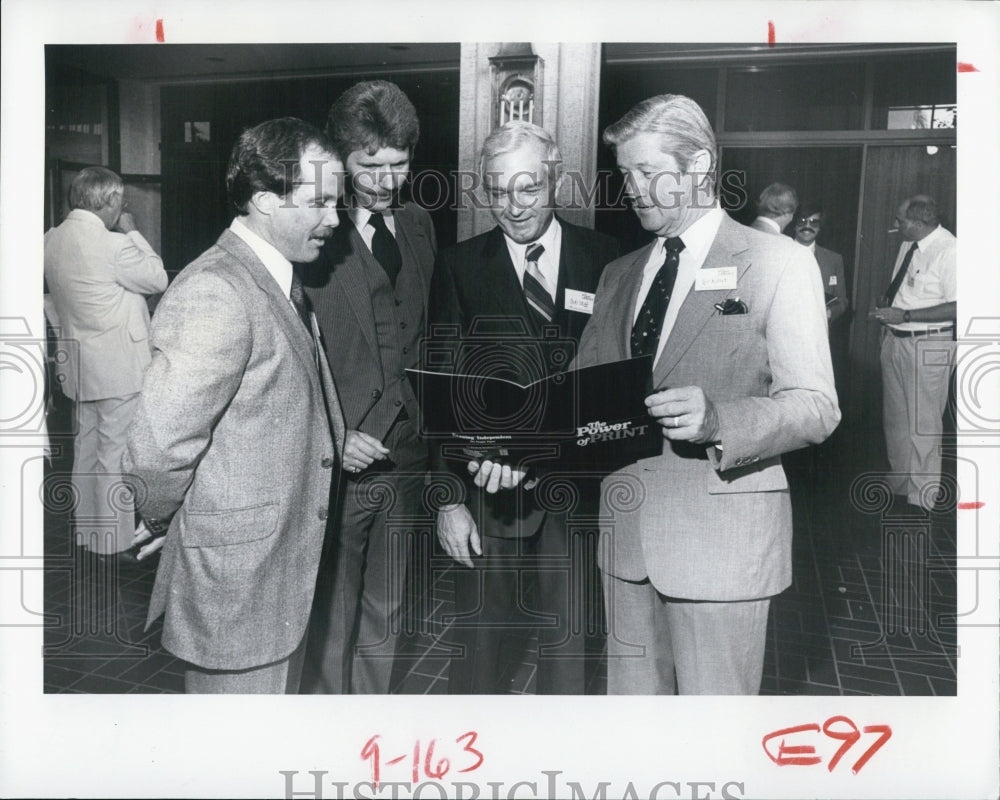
{"type": "Point", "coordinates": [502, 283]}
{"type": "Point", "coordinates": [629, 294]}
{"type": "Point", "coordinates": [333, 408]}
{"type": "Point", "coordinates": [409, 237]}
{"type": "Point", "coordinates": [727, 250]}
{"type": "Point", "coordinates": [350, 274]}
{"type": "Point", "coordinates": [287, 319]}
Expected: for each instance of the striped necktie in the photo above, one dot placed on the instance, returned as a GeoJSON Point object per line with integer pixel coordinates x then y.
{"type": "Point", "coordinates": [536, 288]}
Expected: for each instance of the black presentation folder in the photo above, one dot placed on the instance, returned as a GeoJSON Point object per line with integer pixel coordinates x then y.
{"type": "Point", "coordinates": [589, 419]}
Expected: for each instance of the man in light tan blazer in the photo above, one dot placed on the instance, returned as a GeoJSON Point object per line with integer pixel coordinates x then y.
{"type": "Point", "coordinates": [237, 441]}
{"type": "Point", "coordinates": [98, 269]}
{"type": "Point", "coordinates": [699, 537]}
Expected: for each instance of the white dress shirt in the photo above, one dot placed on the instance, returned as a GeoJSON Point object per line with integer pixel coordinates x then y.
{"type": "Point", "coordinates": [697, 240]}
{"type": "Point", "coordinates": [930, 278]}
{"type": "Point", "coordinates": [275, 263]}
{"type": "Point", "coordinates": [360, 216]}
{"type": "Point", "coordinates": [548, 263]}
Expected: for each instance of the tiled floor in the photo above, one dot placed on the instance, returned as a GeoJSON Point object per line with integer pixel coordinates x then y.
{"type": "Point", "coordinates": [868, 611]}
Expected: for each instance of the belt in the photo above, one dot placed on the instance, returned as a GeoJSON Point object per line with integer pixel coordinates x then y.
{"type": "Point", "coordinates": [910, 334]}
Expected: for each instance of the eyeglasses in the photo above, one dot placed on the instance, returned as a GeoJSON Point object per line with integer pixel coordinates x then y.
{"type": "Point", "coordinates": [811, 220]}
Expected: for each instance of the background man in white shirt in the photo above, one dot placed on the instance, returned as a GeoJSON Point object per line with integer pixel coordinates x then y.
{"type": "Point", "coordinates": [918, 348]}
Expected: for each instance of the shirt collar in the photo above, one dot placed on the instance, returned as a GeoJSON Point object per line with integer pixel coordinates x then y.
{"type": "Point", "coordinates": [83, 215]}
{"type": "Point", "coordinates": [550, 240]}
{"type": "Point", "coordinates": [771, 223]}
{"type": "Point", "coordinates": [274, 262]}
{"type": "Point", "coordinates": [698, 237]}
{"type": "Point", "coordinates": [360, 216]}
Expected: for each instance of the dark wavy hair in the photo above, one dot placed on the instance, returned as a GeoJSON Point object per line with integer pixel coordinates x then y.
{"type": "Point", "coordinates": [266, 159]}
{"type": "Point", "coordinates": [371, 115]}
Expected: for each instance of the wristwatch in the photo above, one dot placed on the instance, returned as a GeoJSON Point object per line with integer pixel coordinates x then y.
{"type": "Point", "coordinates": [906, 316]}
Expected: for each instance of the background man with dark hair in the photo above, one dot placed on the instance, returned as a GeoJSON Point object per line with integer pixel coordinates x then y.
{"type": "Point", "coordinates": [369, 290]}
{"type": "Point", "coordinates": [808, 223]}
{"type": "Point", "coordinates": [522, 288]}
{"type": "Point", "coordinates": [919, 305]}
{"type": "Point", "coordinates": [775, 208]}
{"type": "Point", "coordinates": [237, 440]}
{"type": "Point", "coordinates": [735, 322]}
{"type": "Point", "coordinates": [98, 269]}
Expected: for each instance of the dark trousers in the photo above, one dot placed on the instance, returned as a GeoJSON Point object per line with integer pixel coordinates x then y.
{"type": "Point", "coordinates": [359, 591]}
{"type": "Point", "coordinates": [547, 581]}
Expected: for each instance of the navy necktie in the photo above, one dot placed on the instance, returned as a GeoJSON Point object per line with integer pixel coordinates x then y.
{"type": "Point", "coordinates": [646, 329]}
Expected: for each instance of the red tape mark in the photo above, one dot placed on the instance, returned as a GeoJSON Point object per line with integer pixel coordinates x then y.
{"type": "Point", "coordinates": [964, 66]}
{"type": "Point", "coordinates": [770, 35]}
{"type": "Point", "coordinates": [971, 506]}
{"type": "Point", "coordinates": [159, 31]}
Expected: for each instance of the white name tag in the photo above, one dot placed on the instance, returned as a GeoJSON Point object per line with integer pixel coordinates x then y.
{"type": "Point", "coordinates": [707, 280]}
{"type": "Point", "coordinates": [833, 280]}
{"type": "Point", "coordinates": [579, 301]}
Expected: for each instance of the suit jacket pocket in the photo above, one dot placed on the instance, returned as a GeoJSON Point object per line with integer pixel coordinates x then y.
{"type": "Point", "coordinates": [763, 476]}
{"type": "Point", "coordinates": [229, 527]}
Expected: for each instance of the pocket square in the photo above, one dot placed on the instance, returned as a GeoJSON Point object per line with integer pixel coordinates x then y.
{"type": "Point", "coordinates": [733, 305]}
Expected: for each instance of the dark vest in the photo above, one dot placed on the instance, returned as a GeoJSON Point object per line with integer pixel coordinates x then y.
{"type": "Point", "coordinates": [399, 324]}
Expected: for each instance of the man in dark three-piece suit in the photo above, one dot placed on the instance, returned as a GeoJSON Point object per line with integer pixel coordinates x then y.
{"type": "Point", "coordinates": [513, 303]}
{"type": "Point", "coordinates": [734, 319]}
{"type": "Point", "coordinates": [235, 447]}
{"type": "Point", "coordinates": [369, 290]}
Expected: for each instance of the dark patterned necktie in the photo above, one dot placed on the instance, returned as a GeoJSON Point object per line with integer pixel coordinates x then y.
{"type": "Point", "coordinates": [646, 330]}
{"type": "Point", "coordinates": [385, 249]}
{"type": "Point", "coordinates": [300, 301]}
{"type": "Point", "coordinates": [536, 290]}
{"type": "Point", "coordinates": [897, 281]}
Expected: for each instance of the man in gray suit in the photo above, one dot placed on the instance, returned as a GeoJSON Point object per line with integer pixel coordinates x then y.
{"type": "Point", "coordinates": [99, 269]}
{"type": "Point", "coordinates": [237, 440]}
{"type": "Point", "coordinates": [369, 289]}
{"type": "Point", "coordinates": [775, 208]}
{"type": "Point", "coordinates": [735, 322]}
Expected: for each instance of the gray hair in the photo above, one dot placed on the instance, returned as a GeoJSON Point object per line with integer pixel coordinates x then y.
{"type": "Point", "coordinates": [512, 136]}
{"type": "Point", "coordinates": [921, 208]}
{"type": "Point", "coordinates": [94, 188]}
{"type": "Point", "coordinates": [777, 200]}
{"type": "Point", "coordinates": [683, 128]}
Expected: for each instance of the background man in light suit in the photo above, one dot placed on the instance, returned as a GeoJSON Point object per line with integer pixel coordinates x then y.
{"type": "Point", "coordinates": [742, 374]}
{"type": "Point", "coordinates": [497, 294]}
{"type": "Point", "coordinates": [236, 444]}
{"type": "Point", "coordinates": [99, 268]}
{"type": "Point", "coordinates": [775, 208]}
{"type": "Point", "coordinates": [808, 223]}
{"type": "Point", "coordinates": [369, 290]}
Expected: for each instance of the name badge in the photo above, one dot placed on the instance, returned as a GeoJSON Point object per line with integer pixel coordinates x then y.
{"type": "Point", "coordinates": [833, 280]}
{"type": "Point", "coordinates": [708, 280]}
{"type": "Point", "coordinates": [910, 281]}
{"type": "Point", "coordinates": [579, 301]}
